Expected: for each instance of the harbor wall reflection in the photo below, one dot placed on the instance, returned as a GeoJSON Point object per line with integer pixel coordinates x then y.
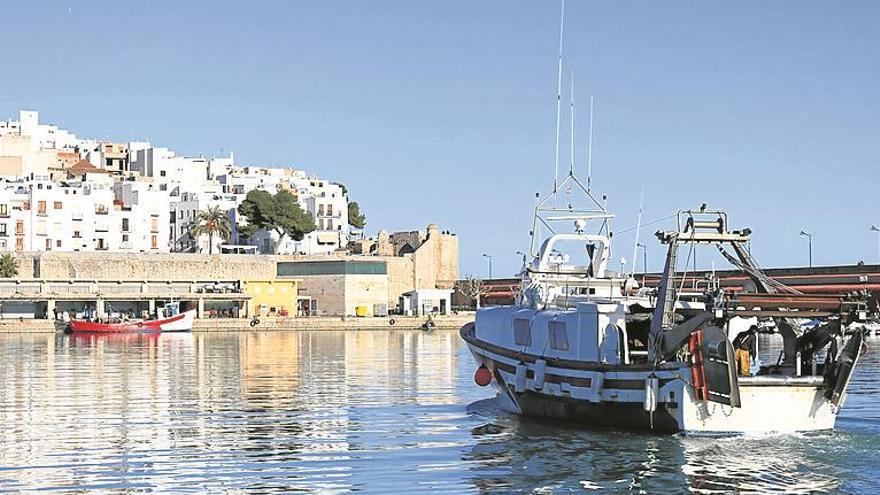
{"type": "Point", "coordinates": [80, 408]}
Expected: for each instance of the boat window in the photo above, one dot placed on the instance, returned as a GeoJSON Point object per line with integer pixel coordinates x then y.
{"type": "Point", "coordinates": [558, 335]}
{"type": "Point", "coordinates": [522, 331]}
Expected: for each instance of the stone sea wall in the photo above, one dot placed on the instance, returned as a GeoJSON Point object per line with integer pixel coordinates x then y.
{"type": "Point", "coordinates": [144, 266]}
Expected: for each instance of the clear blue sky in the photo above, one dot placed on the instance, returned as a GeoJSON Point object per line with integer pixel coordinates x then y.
{"type": "Point", "coordinates": [445, 111]}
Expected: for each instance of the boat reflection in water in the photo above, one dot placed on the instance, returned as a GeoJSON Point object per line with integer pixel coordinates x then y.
{"type": "Point", "coordinates": [515, 454]}
{"type": "Point", "coordinates": [377, 412]}
{"type": "Point", "coordinates": [512, 453]}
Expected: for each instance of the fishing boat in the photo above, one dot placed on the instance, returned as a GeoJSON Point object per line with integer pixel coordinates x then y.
{"type": "Point", "coordinates": [168, 319]}
{"type": "Point", "coordinates": [585, 344]}
{"type": "Point", "coordinates": [575, 352]}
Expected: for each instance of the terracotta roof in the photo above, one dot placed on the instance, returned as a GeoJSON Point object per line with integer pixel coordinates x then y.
{"type": "Point", "coordinates": [83, 166]}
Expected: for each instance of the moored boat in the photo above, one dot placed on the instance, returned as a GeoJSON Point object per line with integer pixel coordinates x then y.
{"type": "Point", "coordinates": [168, 319]}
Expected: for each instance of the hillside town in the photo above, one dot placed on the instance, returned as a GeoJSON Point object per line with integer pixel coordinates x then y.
{"type": "Point", "coordinates": [60, 192]}
{"type": "Point", "coordinates": [104, 228]}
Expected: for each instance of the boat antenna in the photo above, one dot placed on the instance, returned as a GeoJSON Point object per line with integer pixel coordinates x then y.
{"type": "Point", "coordinates": [571, 152]}
{"type": "Point", "coordinates": [590, 149]}
{"type": "Point", "coordinates": [638, 230]}
{"type": "Point", "coordinates": [559, 93]}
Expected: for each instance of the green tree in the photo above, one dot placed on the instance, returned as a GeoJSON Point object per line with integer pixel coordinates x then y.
{"type": "Point", "coordinates": [8, 268]}
{"type": "Point", "coordinates": [212, 221]}
{"type": "Point", "coordinates": [355, 218]}
{"type": "Point", "coordinates": [279, 213]}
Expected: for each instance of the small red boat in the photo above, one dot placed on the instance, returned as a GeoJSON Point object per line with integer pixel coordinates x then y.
{"type": "Point", "coordinates": [175, 322]}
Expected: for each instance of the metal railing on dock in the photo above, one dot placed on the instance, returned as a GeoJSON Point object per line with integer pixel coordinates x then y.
{"type": "Point", "coordinates": [66, 289]}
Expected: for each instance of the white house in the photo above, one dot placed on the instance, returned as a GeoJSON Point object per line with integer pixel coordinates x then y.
{"type": "Point", "coordinates": [423, 302]}
{"type": "Point", "coordinates": [140, 208]}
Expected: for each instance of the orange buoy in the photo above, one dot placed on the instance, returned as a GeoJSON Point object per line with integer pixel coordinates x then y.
{"type": "Point", "coordinates": [483, 376]}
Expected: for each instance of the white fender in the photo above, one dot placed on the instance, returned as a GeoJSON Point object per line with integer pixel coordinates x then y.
{"type": "Point", "coordinates": [520, 383]}
{"type": "Point", "coordinates": [540, 373]}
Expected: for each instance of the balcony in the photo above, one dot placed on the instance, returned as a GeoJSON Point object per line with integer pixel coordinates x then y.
{"type": "Point", "coordinates": [102, 211]}
{"type": "Point", "coordinates": [102, 227]}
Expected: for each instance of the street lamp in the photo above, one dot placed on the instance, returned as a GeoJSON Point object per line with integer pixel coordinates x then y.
{"type": "Point", "coordinates": [524, 257]}
{"type": "Point", "coordinates": [490, 264]}
{"type": "Point", "coordinates": [644, 261]}
{"type": "Point", "coordinates": [875, 229]}
{"type": "Point", "coordinates": [809, 236]}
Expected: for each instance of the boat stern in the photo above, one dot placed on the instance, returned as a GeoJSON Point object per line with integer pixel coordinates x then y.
{"type": "Point", "coordinates": [179, 323]}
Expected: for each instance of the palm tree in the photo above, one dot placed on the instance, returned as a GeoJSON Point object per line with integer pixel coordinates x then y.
{"type": "Point", "coordinates": [8, 269]}
{"type": "Point", "coordinates": [212, 221]}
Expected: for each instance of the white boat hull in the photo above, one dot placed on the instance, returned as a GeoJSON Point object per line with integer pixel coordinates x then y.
{"type": "Point", "coordinates": [184, 324]}
{"type": "Point", "coordinates": [614, 396]}
{"type": "Point", "coordinates": [785, 409]}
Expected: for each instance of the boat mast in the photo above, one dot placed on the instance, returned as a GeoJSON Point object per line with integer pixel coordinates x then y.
{"type": "Point", "coordinates": [590, 149]}
{"type": "Point", "coordinates": [548, 212]}
{"type": "Point", "coordinates": [571, 151]}
{"type": "Point", "coordinates": [632, 272]}
{"type": "Point", "coordinates": [559, 93]}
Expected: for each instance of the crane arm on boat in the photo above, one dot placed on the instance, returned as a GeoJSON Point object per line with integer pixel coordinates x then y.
{"type": "Point", "coordinates": [816, 339]}
{"type": "Point", "coordinates": [672, 339]}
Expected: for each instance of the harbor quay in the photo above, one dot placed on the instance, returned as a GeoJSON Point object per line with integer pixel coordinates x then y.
{"type": "Point", "coordinates": [280, 324]}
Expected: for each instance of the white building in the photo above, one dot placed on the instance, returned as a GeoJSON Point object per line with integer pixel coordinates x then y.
{"type": "Point", "coordinates": [422, 302]}
{"type": "Point", "coordinates": [184, 209]}
{"type": "Point", "coordinates": [326, 201]}
{"type": "Point", "coordinates": [71, 216]}
{"type": "Point", "coordinates": [43, 136]}
{"type": "Point", "coordinates": [90, 214]}
{"type": "Point", "coordinates": [58, 192]}
{"type": "Point", "coordinates": [141, 210]}
{"type": "Point", "coordinates": [14, 213]}
{"type": "Point", "coordinates": [164, 167]}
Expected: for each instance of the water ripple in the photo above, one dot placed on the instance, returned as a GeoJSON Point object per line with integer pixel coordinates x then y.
{"type": "Point", "coordinates": [376, 412]}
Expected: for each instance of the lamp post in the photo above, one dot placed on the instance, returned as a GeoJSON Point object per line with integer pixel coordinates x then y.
{"type": "Point", "coordinates": [809, 237]}
{"type": "Point", "coordinates": [877, 230]}
{"type": "Point", "coordinates": [644, 261]}
{"type": "Point", "coordinates": [524, 257]}
{"type": "Point", "coordinates": [490, 264]}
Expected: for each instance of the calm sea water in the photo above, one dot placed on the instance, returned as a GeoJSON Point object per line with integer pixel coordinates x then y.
{"type": "Point", "coordinates": [375, 412]}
